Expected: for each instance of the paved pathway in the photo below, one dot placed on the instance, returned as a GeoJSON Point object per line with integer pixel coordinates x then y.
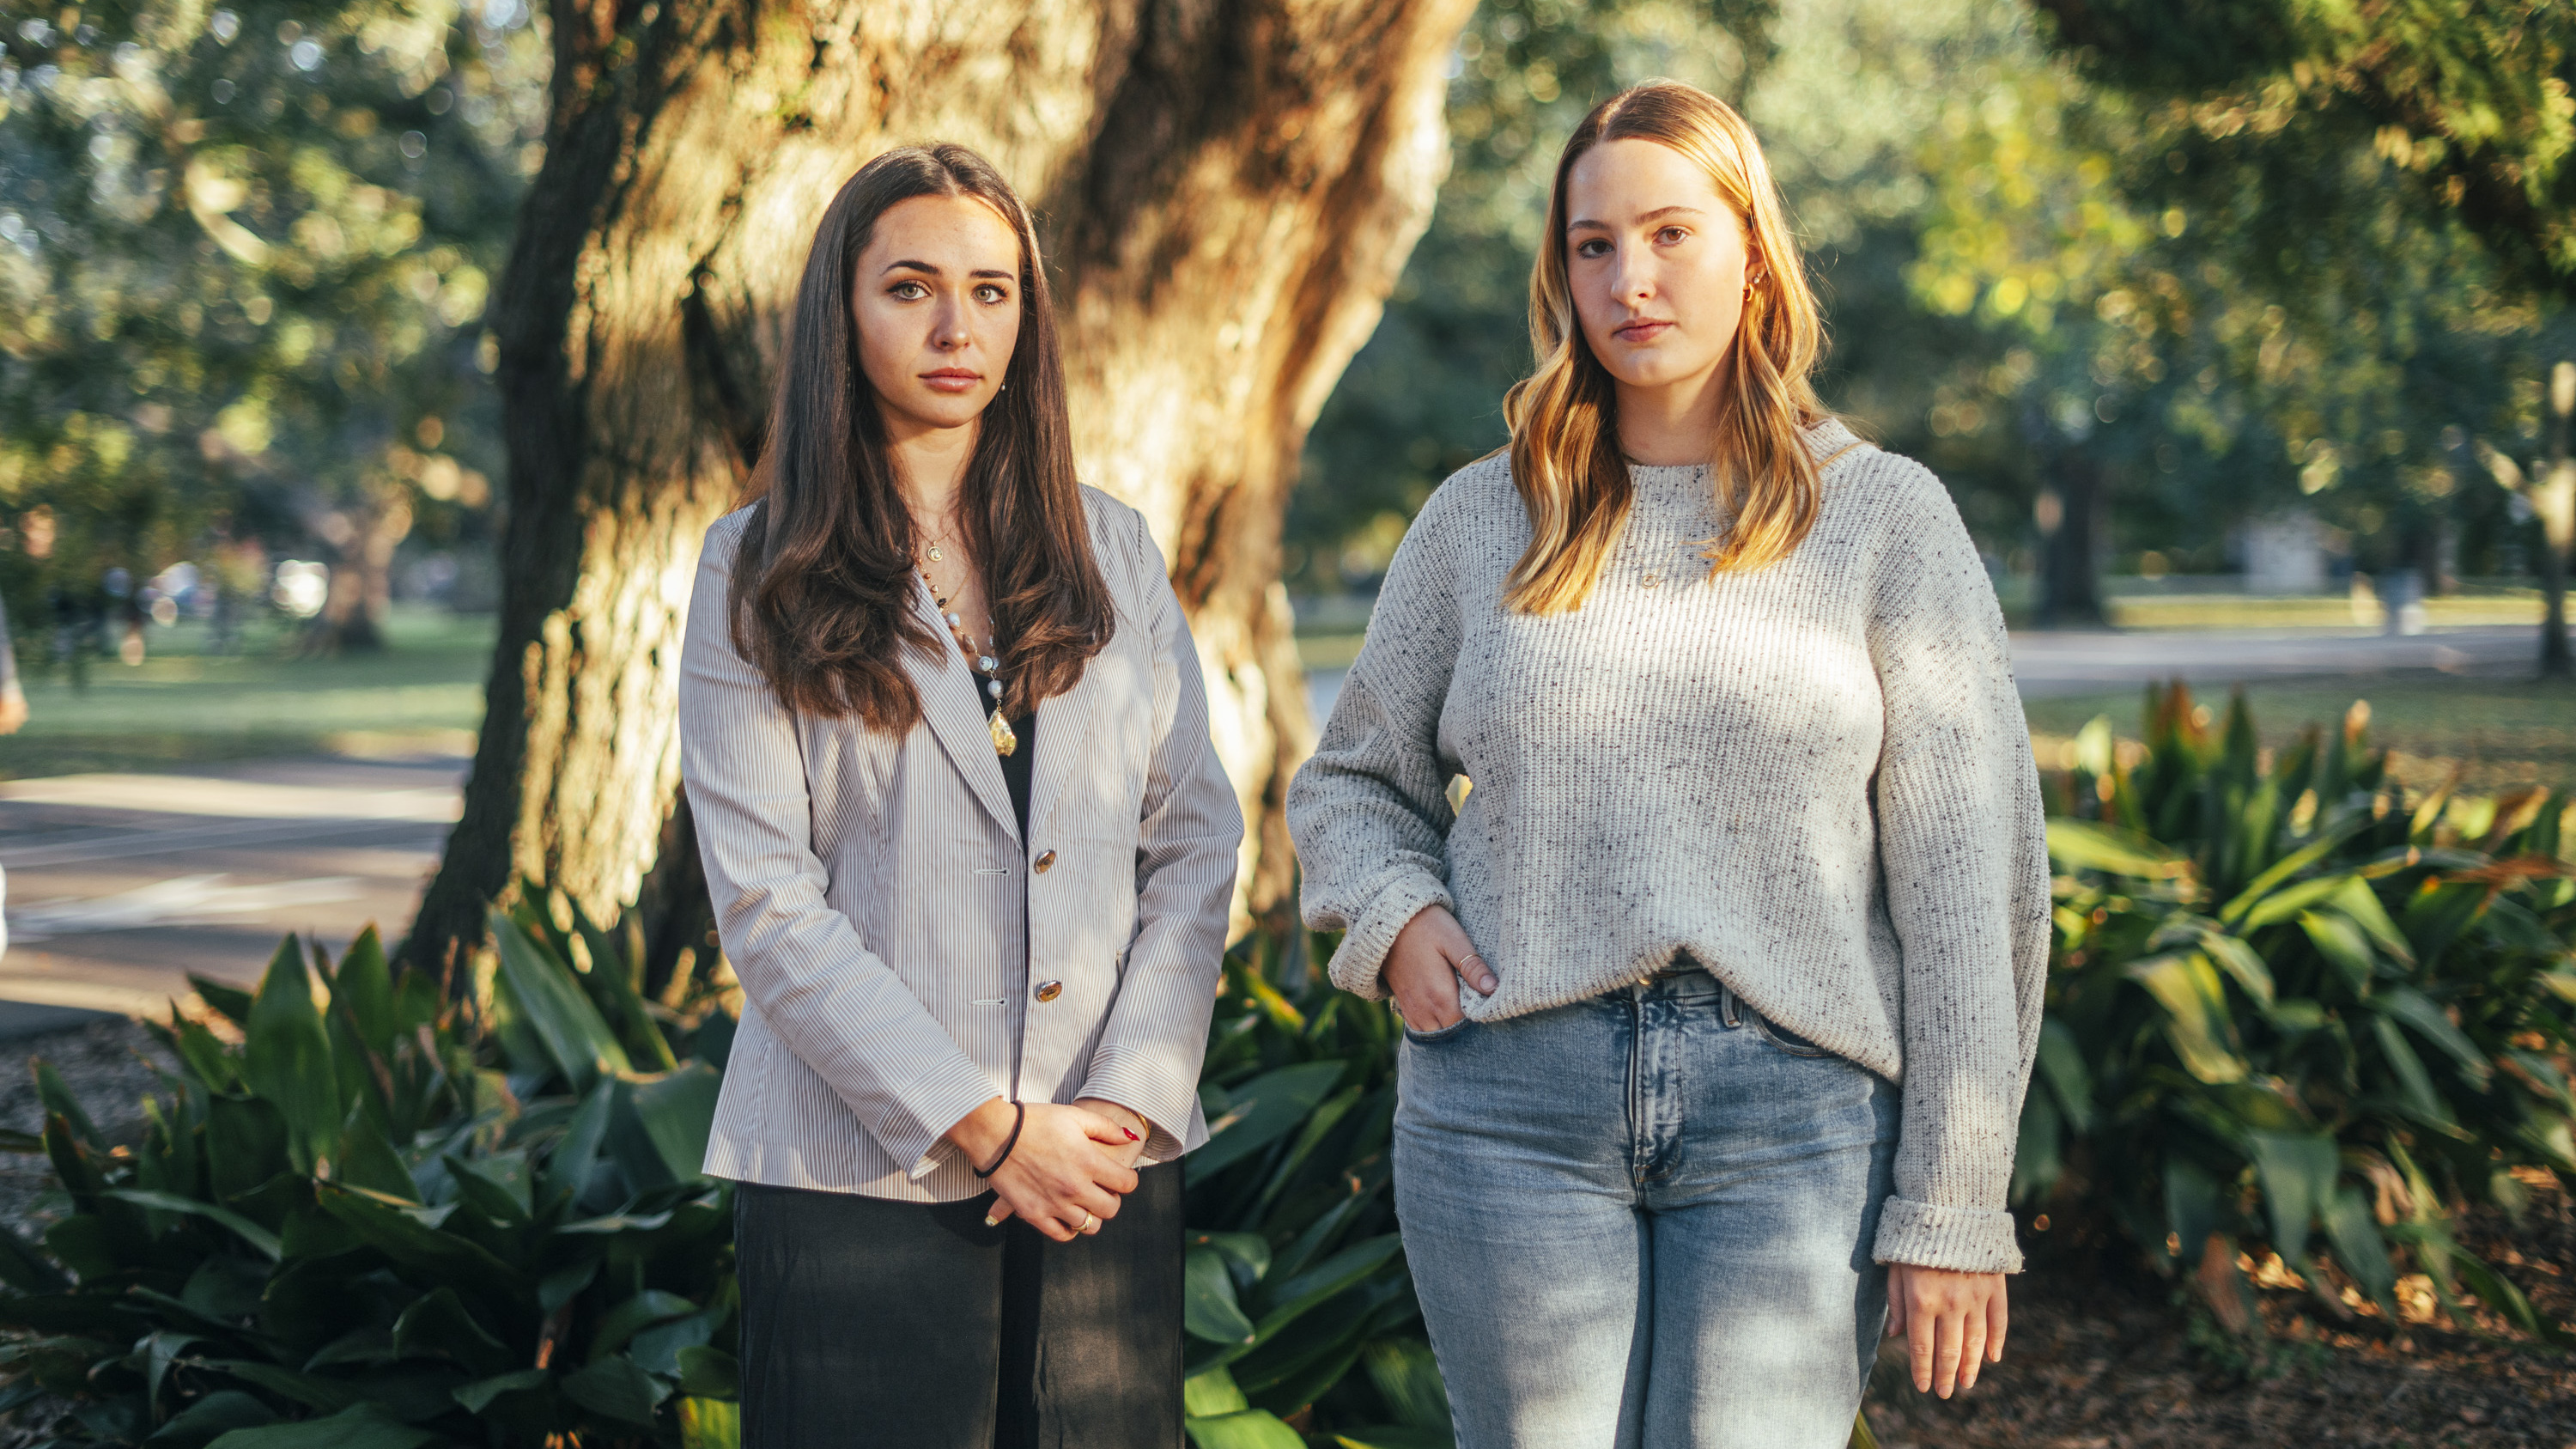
{"type": "Point", "coordinates": [2048, 665]}
{"type": "Point", "coordinates": [118, 884]}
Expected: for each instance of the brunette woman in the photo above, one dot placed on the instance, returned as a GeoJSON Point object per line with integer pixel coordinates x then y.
{"type": "Point", "coordinates": [971, 855]}
{"type": "Point", "coordinates": [1721, 988]}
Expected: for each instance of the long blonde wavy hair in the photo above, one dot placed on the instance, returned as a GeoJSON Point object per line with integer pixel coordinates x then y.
{"type": "Point", "coordinates": [1564, 416]}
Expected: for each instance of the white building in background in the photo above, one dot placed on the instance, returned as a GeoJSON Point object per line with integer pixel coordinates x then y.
{"type": "Point", "coordinates": [2285, 554]}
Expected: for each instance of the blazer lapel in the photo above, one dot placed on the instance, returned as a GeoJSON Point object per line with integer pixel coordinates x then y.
{"type": "Point", "coordinates": [954, 712]}
{"type": "Point", "coordinates": [1064, 739]}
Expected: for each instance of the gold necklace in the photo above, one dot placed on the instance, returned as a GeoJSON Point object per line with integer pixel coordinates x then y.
{"type": "Point", "coordinates": [983, 661]}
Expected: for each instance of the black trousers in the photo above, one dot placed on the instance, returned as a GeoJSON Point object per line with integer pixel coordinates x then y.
{"type": "Point", "coordinates": [867, 1322]}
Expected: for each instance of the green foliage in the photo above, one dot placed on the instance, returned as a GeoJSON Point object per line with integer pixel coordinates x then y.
{"type": "Point", "coordinates": [377, 1221]}
{"type": "Point", "coordinates": [244, 256]}
{"type": "Point", "coordinates": [1298, 1295]}
{"type": "Point", "coordinates": [2293, 1006]}
{"type": "Point", "coordinates": [2469, 98]}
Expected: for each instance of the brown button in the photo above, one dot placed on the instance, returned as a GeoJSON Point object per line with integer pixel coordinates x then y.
{"type": "Point", "coordinates": [1050, 990]}
{"type": "Point", "coordinates": [1044, 861]}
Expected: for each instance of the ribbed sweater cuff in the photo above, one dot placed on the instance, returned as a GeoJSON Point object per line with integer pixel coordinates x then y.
{"type": "Point", "coordinates": [1364, 946]}
{"type": "Point", "coordinates": [1965, 1240]}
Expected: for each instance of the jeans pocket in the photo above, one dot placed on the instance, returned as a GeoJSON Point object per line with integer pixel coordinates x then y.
{"type": "Point", "coordinates": [1781, 1037]}
{"type": "Point", "coordinates": [1450, 1032]}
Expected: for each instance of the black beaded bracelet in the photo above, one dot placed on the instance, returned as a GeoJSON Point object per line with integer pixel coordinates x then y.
{"type": "Point", "coordinates": [1019, 1118]}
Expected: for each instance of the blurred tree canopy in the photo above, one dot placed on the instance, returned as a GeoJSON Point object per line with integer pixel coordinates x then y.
{"type": "Point", "coordinates": [244, 254]}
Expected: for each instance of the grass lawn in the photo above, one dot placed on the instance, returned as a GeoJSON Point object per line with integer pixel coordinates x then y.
{"type": "Point", "coordinates": [422, 695]}
{"type": "Point", "coordinates": [2501, 733]}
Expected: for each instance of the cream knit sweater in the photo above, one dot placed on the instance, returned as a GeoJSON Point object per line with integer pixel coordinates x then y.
{"type": "Point", "coordinates": [1814, 778]}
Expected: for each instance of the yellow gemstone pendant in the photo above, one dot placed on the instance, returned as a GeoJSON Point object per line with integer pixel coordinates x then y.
{"type": "Point", "coordinates": [1005, 738]}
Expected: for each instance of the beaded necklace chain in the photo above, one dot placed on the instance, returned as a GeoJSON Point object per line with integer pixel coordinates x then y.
{"type": "Point", "coordinates": [983, 661]}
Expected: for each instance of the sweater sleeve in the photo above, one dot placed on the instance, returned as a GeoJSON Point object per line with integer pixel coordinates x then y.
{"type": "Point", "coordinates": [1963, 852]}
{"type": "Point", "coordinates": [1369, 810]}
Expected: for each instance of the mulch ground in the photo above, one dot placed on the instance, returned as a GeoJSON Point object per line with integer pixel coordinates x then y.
{"type": "Point", "coordinates": [2107, 1356]}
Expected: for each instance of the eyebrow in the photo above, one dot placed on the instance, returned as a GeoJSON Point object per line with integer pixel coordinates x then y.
{"type": "Point", "coordinates": [930, 270]}
{"type": "Point", "coordinates": [1658, 214]}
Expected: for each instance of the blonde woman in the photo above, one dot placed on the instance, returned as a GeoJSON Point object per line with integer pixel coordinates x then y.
{"type": "Point", "coordinates": [1722, 986]}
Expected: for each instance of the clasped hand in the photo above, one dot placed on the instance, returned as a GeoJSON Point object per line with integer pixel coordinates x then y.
{"type": "Point", "coordinates": [1070, 1168]}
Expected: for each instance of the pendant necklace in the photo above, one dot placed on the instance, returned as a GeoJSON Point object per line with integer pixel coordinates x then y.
{"type": "Point", "coordinates": [983, 661]}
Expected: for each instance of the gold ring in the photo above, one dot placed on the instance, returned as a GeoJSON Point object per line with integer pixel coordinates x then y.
{"type": "Point", "coordinates": [1090, 1223]}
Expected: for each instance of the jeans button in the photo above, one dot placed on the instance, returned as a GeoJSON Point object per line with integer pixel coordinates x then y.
{"type": "Point", "coordinates": [1044, 863]}
{"type": "Point", "coordinates": [1050, 990]}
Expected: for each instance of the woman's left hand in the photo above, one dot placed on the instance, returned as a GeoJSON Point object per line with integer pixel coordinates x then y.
{"type": "Point", "coordinates": [1133, 1125]}
{"type": "Point", "coordinates": [1952, 1322]}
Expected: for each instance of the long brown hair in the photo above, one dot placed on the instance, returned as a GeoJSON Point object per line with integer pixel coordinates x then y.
{"type": "Point", "coordinates": [1564, 419]}
{"type": "Point", "coordinates": [823, 594]}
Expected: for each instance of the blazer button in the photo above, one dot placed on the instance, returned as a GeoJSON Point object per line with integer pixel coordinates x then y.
{"type": "Point", "coordinates": [1044, 863]}
{"type": "Point", "coordinates": [1050, 990]}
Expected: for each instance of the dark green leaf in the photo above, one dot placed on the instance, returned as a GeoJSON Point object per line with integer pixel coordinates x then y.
{"type": "Point", "coordinates": [2359, 1249]}
{"type": "Point", "coordinates": [478, 1395]}
{"type": "Point", "coordinates": [408, 1241]}
{"type": "Point", "coordinates": [553, 1004]}
{"type": "Point", "coordinates": [1209, 1394]}
{"type": "Point", "coordinates": [2196, 1020]}
{"type": "Point", "coordinates": [1405, 1436]}
{"type": "Point", "coordinates": [438, 1325]}
{"type": "Point", "coordinates": [1408, 1378]}
{"type": "Point", "coordinates": [361, 1426]}
{"type": "Point", "coordinates": [1209, 1308]}
{"type": "Point", "coordinates": [230, 1002]}
{"type": "Point", "coordinates": [2089, 845]}
{"type": "Point", "coordinates": [615, 1388]}
{"type": "Point", "coordinates": [624, 1321]}
{"type": "Point", "coordinates": [568, 1169]}
{"type": "Point", "coordinates": [330, 1396]}
{"type": "Point", "coordinates": [23, 1268]}
{"type": "Point", "coordinates": [1283, 1301]}
{"type": "Point", "coordinates": [660, 1129]}
{"type": "Point", "coordinates": [250, 1232]}
{"type": "Point", "coordinates": [59, 1101]}
{"type": "Point", "coordinates": [2298, 1172]}
{"type": "Point", "coordinates": [2417, 1011]}
{"type": "Point", "coordinates": [1261, 1112]}
{"type": "Point", "coordinates": [364, 987]}
{"type": "Point", "coordinates": [2061, 1065]}
{"type": "Point", "coordinates": [287, 1059]}
{"type": "Point", "coordinates": [1250, 1429]}
{"type": "Point", "coordinates": [212, 1415]}
{"type": "Point", "coordinates": [709, 1373]}
{"type": "Point", "coordinates": [365, 1159]}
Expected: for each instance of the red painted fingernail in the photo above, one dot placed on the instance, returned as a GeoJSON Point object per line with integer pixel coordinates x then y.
{"type": "Point", "coordinates": [1132, 1137]}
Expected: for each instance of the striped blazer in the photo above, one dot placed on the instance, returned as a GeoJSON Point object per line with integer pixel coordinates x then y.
{"type": "Point", "coordinates": [905, 956]}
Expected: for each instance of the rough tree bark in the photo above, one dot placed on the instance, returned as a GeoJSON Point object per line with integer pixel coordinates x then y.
{"type": "Point", "coordinates": [1229, 189]}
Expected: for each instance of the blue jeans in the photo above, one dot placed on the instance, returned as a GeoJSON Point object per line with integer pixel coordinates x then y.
{"type": "Point", "coordinates": [1644, 1220]}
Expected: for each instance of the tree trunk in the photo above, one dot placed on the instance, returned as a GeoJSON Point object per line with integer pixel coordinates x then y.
{"type": "Point", "coordinates": [363, 535]}
{"type": "Point", "coordinates": [2070, 524]}
{"type": "Point", "coordinates": [2553, 497]}
{"type": "Point", "coordinates": [1229, 189]}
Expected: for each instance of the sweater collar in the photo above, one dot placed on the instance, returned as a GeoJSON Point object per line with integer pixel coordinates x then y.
{"type": "Point", "coordinates": [1825, 442]}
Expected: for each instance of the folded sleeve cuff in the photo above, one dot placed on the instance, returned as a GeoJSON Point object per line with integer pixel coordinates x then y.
{"type": "Point", "coordinates": [915, 1129]}
{"type": "Point", "coordinates": [1356, 964]}
{"type": "Point", "coordinates": [1158, 1097]}
{"type": "Point", "coordinates": [1962, 1239]}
